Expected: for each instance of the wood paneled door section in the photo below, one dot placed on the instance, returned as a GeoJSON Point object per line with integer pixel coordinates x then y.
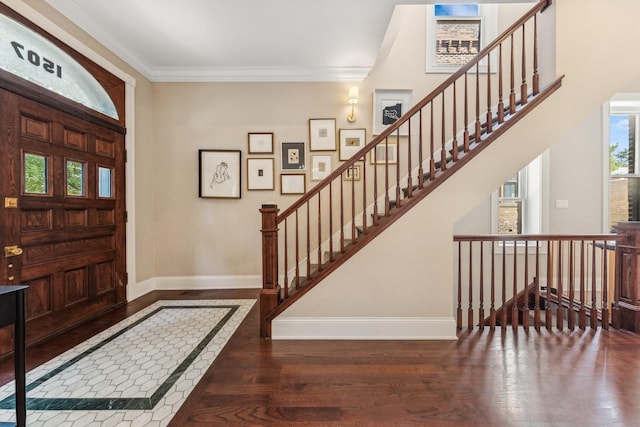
{"type": "Point", "coordinates": [62, 181]}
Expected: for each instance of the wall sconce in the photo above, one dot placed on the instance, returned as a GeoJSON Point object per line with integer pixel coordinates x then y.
{"type": "Point", "coordinates": [354, 95]}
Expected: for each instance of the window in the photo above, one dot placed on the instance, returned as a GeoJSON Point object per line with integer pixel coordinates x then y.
{"type": "Point", "coordinates": [456, 33]}
{"type": "Point", "coordinates": [35, 174]}
{"type": "Point", "coordinates": [75, 178]}
{"type": "Point", "coordinates": [624, 179]}
{"type": "Point", "coordinates": [510, 200]}
{"type": "Point", "coordinates": [104, 182]}
{"type": "Point", "coordinates": [32, 57]}
{"type": "Point", "coordinates": [518, 205]}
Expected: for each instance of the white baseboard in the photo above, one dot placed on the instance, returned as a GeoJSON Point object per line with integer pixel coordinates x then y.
{"type": "Point", "coordinates": [182, 283]}
{"type": "Point", "coordinates": [208, 282]}
{"type": "Point", "coordinates": [136, 290]}
{"type": "Point", "coordinates": [365, 328]}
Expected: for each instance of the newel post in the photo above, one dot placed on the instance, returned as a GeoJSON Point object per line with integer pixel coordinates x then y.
{"type": "Point", "coordinates": [270, 288]}
{"type": "Point", "coordinates": [626, 304]}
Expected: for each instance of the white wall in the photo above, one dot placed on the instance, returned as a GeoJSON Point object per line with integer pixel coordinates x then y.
{"type": "Point", "coordinates": [220, 238]}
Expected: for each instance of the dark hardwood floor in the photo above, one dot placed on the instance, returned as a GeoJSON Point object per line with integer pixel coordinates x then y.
{"type": "Point", "coordinates": [579, 378]}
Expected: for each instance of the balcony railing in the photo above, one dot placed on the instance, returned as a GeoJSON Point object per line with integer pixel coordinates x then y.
{"type": "Point", "coordinates": [555, 281]}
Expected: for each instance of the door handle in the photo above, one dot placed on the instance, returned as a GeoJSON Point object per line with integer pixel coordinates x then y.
{"type": "Point", "coordinates": [10, 251]}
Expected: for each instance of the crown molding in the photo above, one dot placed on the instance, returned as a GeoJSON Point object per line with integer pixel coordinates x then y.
{"type": "Point", "coordinates": [259, 74]}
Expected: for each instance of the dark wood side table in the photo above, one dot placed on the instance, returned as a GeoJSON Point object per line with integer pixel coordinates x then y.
{"type": "Point", "coordinates": [12, 313]}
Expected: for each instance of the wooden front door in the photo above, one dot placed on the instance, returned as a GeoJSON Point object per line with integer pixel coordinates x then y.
{"type": "Point", "coordinates": [62, 224]}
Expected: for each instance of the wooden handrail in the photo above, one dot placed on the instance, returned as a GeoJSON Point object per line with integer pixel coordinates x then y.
{"type": "Point", "coordinates": [543, 4]}
{"type": "Point", "coordinates": [534, 237]}
{"type": "Point", "coordinates": [436, 144]}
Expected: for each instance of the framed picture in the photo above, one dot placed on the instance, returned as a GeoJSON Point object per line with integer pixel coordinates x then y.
{"type": "Point", "coordinates": [260, 143]}
{"type": "Point", "coordinates": [351, 141]}
{"type": "Point", "coordinates": [384, 153]}
{"type": "Point", "coordinates": [388, 106]}
{"type": "Point", "coordinates": [260, 174]}
{"type": "Point", "coordinates": [352, 173]}
{"type": "Point", "coordinates": [293, 156]}
{"type": "Point", "coordinates": [320, 167]}
{"type": "Point", "coordinates": [322, 134]}
{"type": "Point", "coordinates": [293, 183]}
{"type": "Point", "coordinates": [220, 174]}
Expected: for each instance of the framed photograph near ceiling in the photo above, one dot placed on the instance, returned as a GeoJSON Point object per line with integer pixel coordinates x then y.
{"type": "Point", "coordinates": [456, 33]}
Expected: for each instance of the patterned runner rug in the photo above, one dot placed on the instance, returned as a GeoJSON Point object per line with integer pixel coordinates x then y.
{"type": "Point", "coordinates": [136, 373]}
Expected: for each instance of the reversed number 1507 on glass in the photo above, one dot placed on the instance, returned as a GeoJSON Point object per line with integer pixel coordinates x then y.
{"type": "Point", "coordinates": [36, 60]}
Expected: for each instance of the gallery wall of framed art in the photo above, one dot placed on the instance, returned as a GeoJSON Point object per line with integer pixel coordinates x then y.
{"type": "Point", "coordinates": [279, 162]}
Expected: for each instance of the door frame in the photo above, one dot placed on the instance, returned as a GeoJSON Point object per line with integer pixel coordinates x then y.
{"type": "Point", "coordinates": [58, 32]}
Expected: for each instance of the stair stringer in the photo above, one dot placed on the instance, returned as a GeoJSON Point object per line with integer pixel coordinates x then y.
{"type": "Point", "coordinates": [405, 276]}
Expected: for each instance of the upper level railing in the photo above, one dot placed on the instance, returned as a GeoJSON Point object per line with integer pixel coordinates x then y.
{"type": "Point", "coordinates": [518, 279]}
{"type": "Point", "coordinates": [400, 166]}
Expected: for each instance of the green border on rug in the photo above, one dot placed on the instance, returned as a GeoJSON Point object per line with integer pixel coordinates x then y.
{"type": "Point", "coordinates": [134, 403]}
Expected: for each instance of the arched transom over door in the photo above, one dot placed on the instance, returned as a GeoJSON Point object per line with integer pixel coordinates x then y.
{"type": "Point", "coordinates": [62, 221]}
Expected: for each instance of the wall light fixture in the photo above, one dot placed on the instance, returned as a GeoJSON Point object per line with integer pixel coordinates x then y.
{"type": "Point", "coordinates": [354, 95]}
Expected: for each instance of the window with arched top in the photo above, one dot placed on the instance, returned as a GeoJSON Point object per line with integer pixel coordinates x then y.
{"type": "Point", "coordinates": [30, 56]}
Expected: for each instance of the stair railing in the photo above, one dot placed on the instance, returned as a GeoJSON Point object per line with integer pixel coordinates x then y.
{"type": "Point", "coordinates": [400, 166]}
{"type": "Point", "coordinates": [537, 279]}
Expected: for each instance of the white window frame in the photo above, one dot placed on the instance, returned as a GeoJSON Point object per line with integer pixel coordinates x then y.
{"type": "Point", "coordinates": [522, 197]}
{"type": "Point", "coordinates": [535, 205]}
{"type": "Point", "coordinates": [488, 15]}
{"type": "Point", "coordinates": [620, 104]}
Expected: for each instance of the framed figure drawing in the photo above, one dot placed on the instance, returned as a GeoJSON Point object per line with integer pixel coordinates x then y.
{"type": "Point", "coordinates": [220, 174]}
{"type": "Point", "coordinates": [322, 134]}
{"type": "Point", "coordinates": [293, 156]}
{"type": "Point", "coordinates": [388, 106]}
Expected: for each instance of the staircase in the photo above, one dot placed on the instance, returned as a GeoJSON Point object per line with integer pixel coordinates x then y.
{"type": "Point", "coordinates": [428, 144]}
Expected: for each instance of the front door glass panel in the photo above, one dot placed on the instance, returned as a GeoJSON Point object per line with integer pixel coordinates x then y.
{"type": "Point", "coordinates": [75, 178]}
{"type": "Point", "coordinates": [35, 174]}
{"type": "Point", "coordinates": [104, 182]}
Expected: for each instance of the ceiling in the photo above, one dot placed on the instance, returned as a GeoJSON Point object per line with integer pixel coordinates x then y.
{"type": "Point", "coordinates": [242, 40]}
{"type": "Point", "coordinates": [239, 40]}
